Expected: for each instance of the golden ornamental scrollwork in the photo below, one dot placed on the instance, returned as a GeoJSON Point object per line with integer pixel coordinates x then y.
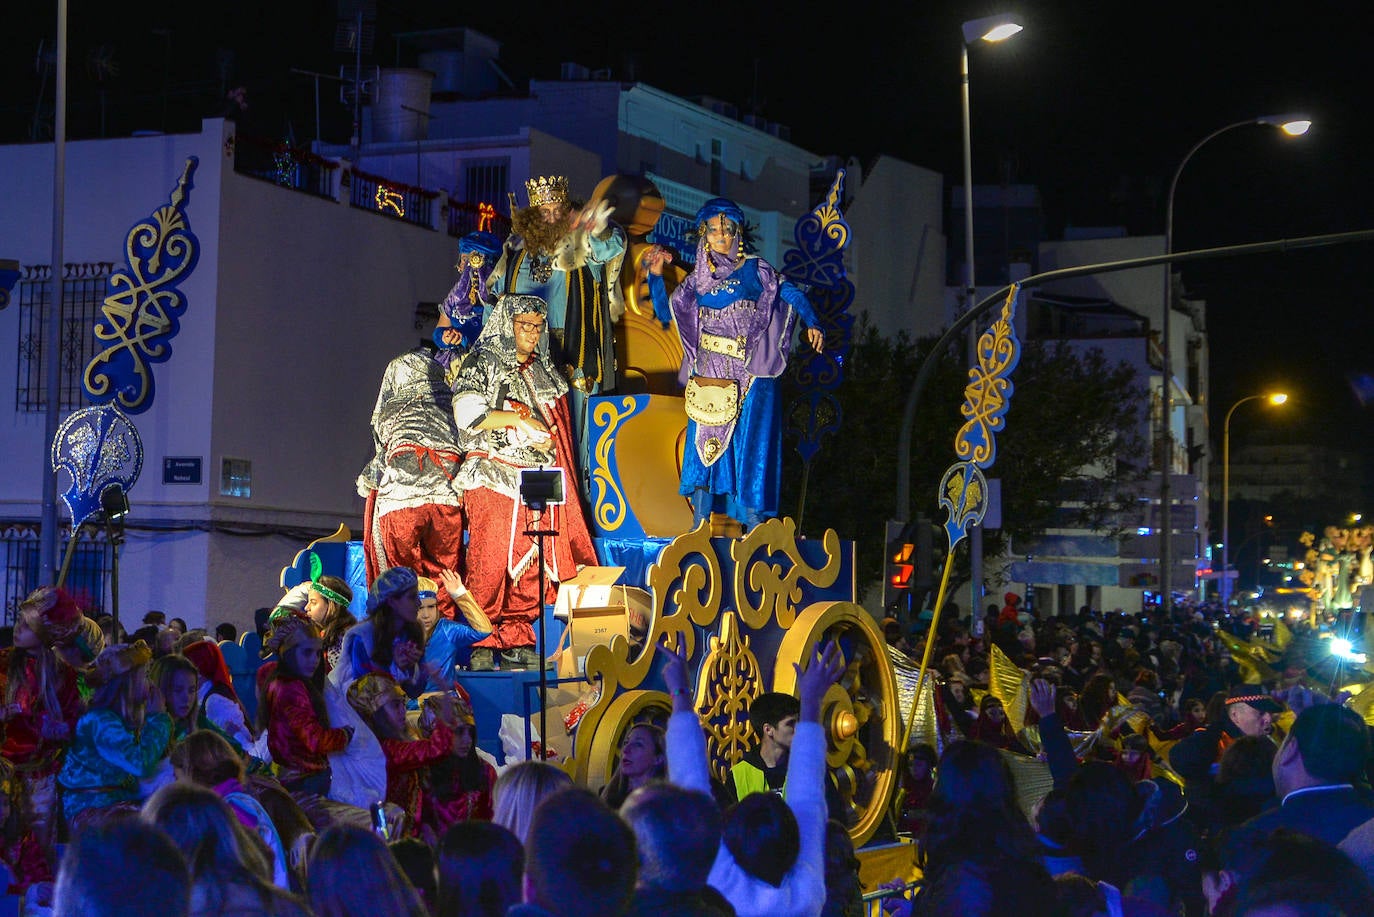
{"type": "Point", "coordinates": [832, 224]}
{"type": "Point", "coordinates": [861, 718]}
{"type": "Point", "coordinates": [988, 393]}
{"type": "Point", "coordinates": [727, 684]}
{"type": "Point", "coordinates": [687, 576]}
{"type": "Point", "coordinates": [609, 501]}
{"type": "Point", "coordinates": [766, 589]}
{"type": "Point", "coordinates": [141, 310]}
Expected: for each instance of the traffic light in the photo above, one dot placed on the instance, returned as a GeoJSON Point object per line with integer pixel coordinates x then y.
{"type": "Point", "coordinates": [899, 574]}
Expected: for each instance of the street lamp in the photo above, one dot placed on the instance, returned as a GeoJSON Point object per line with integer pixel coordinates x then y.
{"type": "Point", "coordinates": [1292, 125]}
{"type": "Point", "coordinates": [1275, 398]}
{"type": "Point", "coordinates": [991, 29]}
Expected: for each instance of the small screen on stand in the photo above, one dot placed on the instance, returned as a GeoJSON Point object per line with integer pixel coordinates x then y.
{"type": "Point", "coordinates": [541, 487]}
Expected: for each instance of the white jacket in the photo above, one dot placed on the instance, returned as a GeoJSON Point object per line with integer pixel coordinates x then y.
{"type": "Point", "coordinates": [802, 892]}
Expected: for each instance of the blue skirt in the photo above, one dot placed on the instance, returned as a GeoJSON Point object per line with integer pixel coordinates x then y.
{"type": "Point", "coordinates": [747, 478]}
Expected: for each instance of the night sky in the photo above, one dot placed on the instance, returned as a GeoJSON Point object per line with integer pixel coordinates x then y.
{"type": "Point", "coordinates": [1094, 103]}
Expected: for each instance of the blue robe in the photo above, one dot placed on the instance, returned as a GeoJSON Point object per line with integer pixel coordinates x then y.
{"type": "Point", "coordinates": [739, 465]}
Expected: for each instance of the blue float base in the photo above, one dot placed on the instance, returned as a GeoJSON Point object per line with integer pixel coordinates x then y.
{"type": "Point", "coordinates": [497, 693]}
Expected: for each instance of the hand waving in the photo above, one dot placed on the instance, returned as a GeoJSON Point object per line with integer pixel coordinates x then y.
{"type": "Point", "coordinates": [453, 583]}
{"type": "Point", "coordinates": [825, 668]}
{"type": "Point", "coordinates": [676, 678]}
{"type": "Point", "coordinates": [1042, 694]}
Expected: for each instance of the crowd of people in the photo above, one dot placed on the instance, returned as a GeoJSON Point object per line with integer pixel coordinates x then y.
{"type": "Point", "coordinates": [1186, 775]}
{"type": "Point", "coordinates": [1175, 787]}
{"type": "Point", "coordinates": [137, 782]}
{"type": "Point", "coordinates": [1179, 778]}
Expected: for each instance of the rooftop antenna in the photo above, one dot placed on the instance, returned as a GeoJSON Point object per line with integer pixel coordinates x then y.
{"type": "Point", "coordinates": [102, 66]}
{"type": "Point", "coordinates": [356, 31]}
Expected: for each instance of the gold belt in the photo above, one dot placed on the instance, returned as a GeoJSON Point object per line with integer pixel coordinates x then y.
{"type": "Point", "coordinates": [726, 347]}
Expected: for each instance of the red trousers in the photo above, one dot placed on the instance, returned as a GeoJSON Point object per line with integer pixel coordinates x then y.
{"type": "Point", "coordinates": [497, 540]}
{"type": "Point", "coordinates": [427, 539]}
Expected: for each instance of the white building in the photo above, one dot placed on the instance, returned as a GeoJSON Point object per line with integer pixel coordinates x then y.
{"type": "Point", "coordinates": [481, 147]}
{"type": "Point", "coordinates": [1120, 313]}
{"type": "Point", "coordinates": [295, 306]}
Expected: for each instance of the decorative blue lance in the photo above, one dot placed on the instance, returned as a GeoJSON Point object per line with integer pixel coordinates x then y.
{"type": "Point", "coordinates": [817, 265]}
{"type": "Point", "coordinates": [987, 397]}
{"type": "Point", "coordinates": [9, 275]}
{"type": "Point", "coordinates": [97, 446]}
{"type": "Point", "coordinates": [143, 306]}
{"type": "Point", "coordinates": [963, 489]}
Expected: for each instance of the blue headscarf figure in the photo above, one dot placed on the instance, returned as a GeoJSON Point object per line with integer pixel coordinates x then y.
{"type": "Point", "coordinates": [466, 303]}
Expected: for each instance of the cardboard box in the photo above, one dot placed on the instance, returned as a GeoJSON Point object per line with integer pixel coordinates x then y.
{"type": "Point", "coordinates": [592, 586]}
{"type": "Point", "coordinates": [597, 609]}
{"type": "Point", "coordinates": [596, 625]}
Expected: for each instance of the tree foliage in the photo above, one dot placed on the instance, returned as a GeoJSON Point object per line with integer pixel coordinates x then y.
{"type": "Point", "coordinates": [1075, 429]}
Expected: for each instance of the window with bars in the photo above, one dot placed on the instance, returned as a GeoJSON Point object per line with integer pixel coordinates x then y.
{"type": "Point", "coordinates": [486, 181]}
{"type": "Point", "coordinates": [19, 575]}
{"type": "Point", "coordinates": [236, 477]}
{"type": "Point", "coordinates": [83, 290]}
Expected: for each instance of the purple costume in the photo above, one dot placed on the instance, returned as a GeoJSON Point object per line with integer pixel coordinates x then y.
{"type": "Point", "coordinates": [736, 317]}
{"type": "Point", "coordinates": [466, 302]}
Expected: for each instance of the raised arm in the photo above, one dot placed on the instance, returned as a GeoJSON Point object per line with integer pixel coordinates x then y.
{"type": "Point", "coordinates": [472, 612]}
{"type": "Point", "coordinates": [686, 745]}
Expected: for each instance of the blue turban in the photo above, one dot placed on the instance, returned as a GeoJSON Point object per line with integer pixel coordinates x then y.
{"type": "Point", "coordinates": [721, 206]}
{"type": "Point", "coordinates": [483, 242]}
{"type": "Point", "coordinates": [390, 582]}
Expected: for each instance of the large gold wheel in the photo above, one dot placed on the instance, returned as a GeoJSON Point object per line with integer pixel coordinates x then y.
{"type": "Point", "coordinates": [863, 725]}
{"type": "Point", "coordinates": [627, 710]}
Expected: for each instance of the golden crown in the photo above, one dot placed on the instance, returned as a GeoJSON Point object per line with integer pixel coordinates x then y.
{"type": "Point", "coordinates": [547, 189]}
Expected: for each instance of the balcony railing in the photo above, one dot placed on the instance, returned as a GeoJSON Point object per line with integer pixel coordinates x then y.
{"type": "Point", "coordinates": [464, 218]}
{"type": "Point", "coordinates": [392, 199]}
{"type": "Point", "coordinates": [282, 164]}
{"type": "Point", "coordinates": [299, 169]}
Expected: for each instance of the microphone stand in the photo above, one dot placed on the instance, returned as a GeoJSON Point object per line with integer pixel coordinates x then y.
{"type": "Point", "coordinates": [538, 505]}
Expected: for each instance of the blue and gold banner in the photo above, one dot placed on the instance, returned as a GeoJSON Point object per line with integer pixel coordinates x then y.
{"type": "Point", "coordinates": [144, 304]}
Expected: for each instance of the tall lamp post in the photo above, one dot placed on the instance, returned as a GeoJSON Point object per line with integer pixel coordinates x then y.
{"type": "Point", "coordinates": [1293, 126]}
{"type": "Point", "coordinates": [991, 29]}
{"type": "Point", "coordinates": [1275, 398]}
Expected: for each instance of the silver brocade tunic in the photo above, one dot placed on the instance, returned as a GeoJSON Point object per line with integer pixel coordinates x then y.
{"type": "Point", "coordinates": [417, 453]}
{"type": "Point", "coordinates": [491, 378]}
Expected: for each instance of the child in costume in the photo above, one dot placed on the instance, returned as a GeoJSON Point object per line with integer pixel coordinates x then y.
{"type": "Point", "coordinates": [119, 742]}
{"type": "Point", "coordinates": [78, 649]}
{"type": "Point", "coordinates": [448, 644]}
{"type": "Point", "coordinates": [390, 640]}
{"type": "Point", "coordinates": [357, 771]}
{"type": "Point", "coordinates": [382, 703]}
{"type": "Point", "coordinates": [41, 704]}
{"type": "Point", "coordinates": [327, 606]}
{"type": "Point", "coordinates": [460, 784]}
{"type": "Point", "coordinates": [293, 708]}
{"type": "Point", "coordinates": [220, 708]}
{"type": "Point", "coordinates": [177, 679]}
{"type": "Point", "coordinates": [20, 851]}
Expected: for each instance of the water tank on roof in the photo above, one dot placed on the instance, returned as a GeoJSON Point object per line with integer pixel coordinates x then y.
{"type": "Point", "coordinates": [447, 65]}
{"type": "Point", "coordinates": [402, 110]}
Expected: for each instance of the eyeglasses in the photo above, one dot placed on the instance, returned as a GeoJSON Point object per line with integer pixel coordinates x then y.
{"type": "Point", "coordinates": [529, 327]}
